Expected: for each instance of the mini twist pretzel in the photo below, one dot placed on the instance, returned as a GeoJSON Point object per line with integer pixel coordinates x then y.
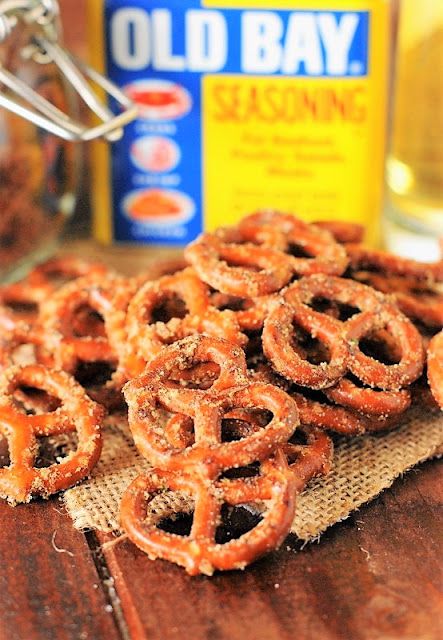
{"type": "Point", "coordinates": [62, 269]}
{"type": "Point", "coordinates": [283, 231]}
{"type": "Point", "coordinates": [108, 298]}
{"type": "Point", "coordinates": [207, 408]}
{"type": "Point", "coordinates": [233, 265]}
{"type": "Point", "coordinates": [288, 361]}
{"type": "Point", "coordinates": [254, 259]}
{"type": "Point", "coordinates": [20, 301]}
{"type": "Point", "coordinates": [419, 300]}
{"type": "Point", "coordinates": [367, 400]}
{"type": "Point", "coordinates": [343, 232]}
{"type": "Point", "coordinates": [435, 367]}
{"type": "Point", "coordinates": [79, 345]}
{"type": "Point", "coordinates": [320, 415]}
{"type": "Point", "coordinates": [21, 479]}
{"type": "Point", "coordinates": [341, 337]}
{"type": "Point", "coordinates": [307, 459]}
{"type": "Point", "coordinates": [185, 298]}
{"type": "Point", "coordinates": [363, 258]}
{"type": "Point", "coordinates": [190, 455]}
{"type": "Point", "coordinates": [199, 552]}
{"type": "Point", "coordinates": [24, 334]}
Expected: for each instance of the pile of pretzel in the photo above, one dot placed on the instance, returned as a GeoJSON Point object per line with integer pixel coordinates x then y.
{"type": "Point", "coordinates": [235, 366]}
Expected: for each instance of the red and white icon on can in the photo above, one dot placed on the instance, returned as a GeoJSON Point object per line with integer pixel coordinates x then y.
{"type": "Point", "coordinates": [155, 154]}
{"type": "Point", "coordinates": [159, 99]}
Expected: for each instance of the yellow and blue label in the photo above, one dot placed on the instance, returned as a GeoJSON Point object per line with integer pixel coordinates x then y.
{"type": "Point", "coordinates": [241, 106]}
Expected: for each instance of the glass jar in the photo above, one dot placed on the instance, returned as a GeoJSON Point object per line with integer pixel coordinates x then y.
{"type": "Point", "coordinates": [41, 86]}
{"type": "Point", "coordinates": [413, 222]}
{"type": "Point", "coordinates": [38, 170]}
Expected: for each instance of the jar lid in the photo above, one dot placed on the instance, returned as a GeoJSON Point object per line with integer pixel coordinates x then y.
{"type": "Point", "coordinates": [43, 48]}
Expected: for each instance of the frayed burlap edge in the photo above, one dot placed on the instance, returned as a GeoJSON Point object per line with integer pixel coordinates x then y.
{"type": "Point", "coordinates": [362, 468]}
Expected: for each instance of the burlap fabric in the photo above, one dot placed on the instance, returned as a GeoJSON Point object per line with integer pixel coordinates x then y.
{"type": "Point", "coordinates": [362, 468]}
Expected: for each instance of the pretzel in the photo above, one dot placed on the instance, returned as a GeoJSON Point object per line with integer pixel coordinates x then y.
{"type": "Point", "coordinates": [435, 367]}
{"type": "Point", "coordinates": [343, 232]}
{"type": "Point", "coordinates": [62, 269]}
{"type": "Point", "coordinates": [285, 231]}
{"type": "Point", "coordinates": [59, 318]}
{"type": "Point", "coordinates": [189, 449]}
{"type": "Point", "coordinates": [21, 479]}
{"type": "Point", "coordinates": [186, 299]}
{"type": "Point", "coordinates": [19, 303]}
{"type": "Point", "coordinates": [21, 335]}
{"type": "Point", "coordinates": [367, 400]}
{"type": "Point", "coordinates": [64, 333]}
{"type": "Point", "coordinates": [320, 415]}
{"type": "Point", "coordinates": [231, 265]}
{"type": "Point", "coordinates": [206, 408]}
{"type": "Point", "coordinates": [254, 259]}
{"type": "Point", "coordinates": [419, 300]}
{"type": "Point", "coordinates": [341, 337]}
{"type": "Point", "coordinates": [363, 258]}
{"type": "Point", "coordinates": [308, 456]}
{"type": "Point", "coordinates": [250, 313]}
{"type": "Point", "coordinates": [200, 552]}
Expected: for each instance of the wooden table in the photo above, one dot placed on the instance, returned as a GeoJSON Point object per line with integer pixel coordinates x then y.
{"type": "Point", "coordinates": [378, 575]}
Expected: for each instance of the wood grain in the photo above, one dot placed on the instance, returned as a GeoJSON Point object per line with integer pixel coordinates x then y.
{"type": "Point", "coordinates": [375, 576]}
{"type": "Point", "coordinates": [47, 594]}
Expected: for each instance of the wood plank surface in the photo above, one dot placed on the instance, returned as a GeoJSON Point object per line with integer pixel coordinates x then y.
{"type": "Point", "coordinates": [49, 585]}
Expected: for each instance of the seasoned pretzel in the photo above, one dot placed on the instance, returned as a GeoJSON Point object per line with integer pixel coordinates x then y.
{"type": "Point", "coordinates": [191, 442]}
{"type": "Point", "coordinates": [288, 361]}
{"type": "Point", "coordinates": [343, 232]}
{"type": "Point", "coordinates": [319, 414]}
{"type": "Point", "coordinates": [435, 367]}
{"type": "Point", "coordinates": [389, 377]}
{"type": "Point", "coordinates": [419, 300]}
{"type": "Point", "coordinates": [285, 231]}
{"type": "Point", "coordinates": [206, 408]}
{"type": "Point", "coordinates": [364, 258]}
{"type": "Point", "coordinates": [200, 552]}
{"type": "Point", "coordinates": [307, 459]}
{"type": "Point", "coordinates": [58, 319]}
{"type": "Point", "coordinates": [367, 400]}
{"type": "Point", "coordinates": [250, 313]}
{"type": "Point", "coordinates": [188, 310]}
{"type": "Point", "coordinates": [72, 349]}
{"type": "Point", "coordinates": [62, 269]}
{"type": "Point", "coordinates": [23, 334]}
{"type": "Point", "coordinates": [232, 265]}
{"type": "Point", "coordinates": [19, 302]}
{"type": "Point", "coordinates": [341, 337]}
{"type": "Point", "coordinates": [21, 479]}
{"type": "Point", "coordinates": [255, 259]}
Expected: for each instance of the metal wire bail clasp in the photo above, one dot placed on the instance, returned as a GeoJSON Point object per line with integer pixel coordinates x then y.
{"type": "Point", "coordinates": [43, 48]}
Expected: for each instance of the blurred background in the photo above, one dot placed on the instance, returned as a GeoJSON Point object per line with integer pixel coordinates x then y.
{"type": "Point", "coordinates": [358, 138]}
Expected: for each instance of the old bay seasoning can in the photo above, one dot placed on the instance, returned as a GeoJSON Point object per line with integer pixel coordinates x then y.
{"type": "Point", "coordinates": [243, 104]}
